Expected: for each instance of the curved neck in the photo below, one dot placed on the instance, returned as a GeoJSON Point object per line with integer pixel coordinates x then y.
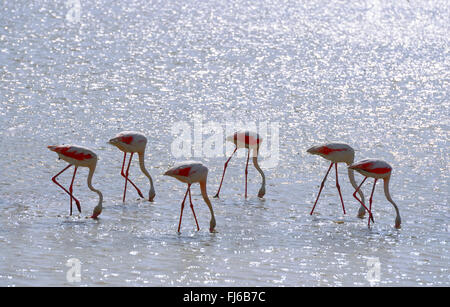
{"type": "Point", "coordinates": [212, 223]}
{"type": "Point", "coordinates": [388, 195]}
{"type": "Point", "coordinates": [89, 183]}
{"type": "Point", "coordinates": [255, 163]}
{"type": "Point", "coordinates": [351, 176]}
{"type": "Point", "coordinates": [144, 170]}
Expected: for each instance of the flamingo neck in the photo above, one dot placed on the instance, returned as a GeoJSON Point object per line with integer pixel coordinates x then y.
{"type": "Point", "coordinates": [262, 190]}
{"type": "Point", "coordinates": [146, 173]}
{"type": "Point", "coordinates": [98, 208]}
{"type": "Point", "coordinates": [388, 196]}
{"type": "Point", "coordinates": [212, 223]}
{"type": "Point", "coordinates": [351, 176]}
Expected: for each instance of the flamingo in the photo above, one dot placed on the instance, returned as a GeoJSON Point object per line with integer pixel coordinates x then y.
{"type": "Point", "coordinates": [78, 156]}
{"type": "Point", "coordinates": [191, 172]}
{"type": "Point", "coordinates": [252, 141]}
{"type": "Point", "coordinates": [133, 142]}
{"type": "Point", "coordinates": [377, 169]}
{"type": "Point", "coordinates": [337, 153]}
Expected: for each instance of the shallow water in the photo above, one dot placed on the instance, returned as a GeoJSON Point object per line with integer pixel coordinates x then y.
{"type": "Point", "coordinates": [371, 74]}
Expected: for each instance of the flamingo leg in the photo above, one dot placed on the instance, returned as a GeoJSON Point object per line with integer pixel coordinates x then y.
{"type": "Point", "coordinates": [246, 172]}
{"type": "Point", "coordinates": [224, 168]}
{"type": "Point", "coordinates": [65, 190]}
{"type": "Point", "coordinates": [362, 204]}
{"type": "Point", "coordinates": [182, 207]}
{"type": "Point", "coordinates": [321, 187]}
{"type": "Point", "coordinates": [192, 207]}
{"type": "Point", "coordinates": [125, 175]}
{"type": "Point", "coordinates": [338, 187]}
{"type": "Point", "coordinates": [371, 196]}
{"type": "Point", "coordinates": [71, 190]}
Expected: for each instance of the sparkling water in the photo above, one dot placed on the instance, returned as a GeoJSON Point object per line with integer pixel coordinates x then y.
{"type": "Point", "coordinates": [371, 74]}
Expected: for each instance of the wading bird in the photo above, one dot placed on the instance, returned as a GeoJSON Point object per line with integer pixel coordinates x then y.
{"type": "Point", "coordinates": [78, 156]}
{"type": "Point", "coordinates": [337, 153]}
{"type": "Point", "coordinates": [133, 142]}
{"type": "Point", "coordinates": [191, 172]}
{"type": "Point", "coordinates": [251, 141]}
{"type": "Point", "coordinates": [377, 169]}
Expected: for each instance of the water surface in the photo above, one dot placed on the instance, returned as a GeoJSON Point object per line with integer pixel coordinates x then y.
{"type": "Point", "coordinates": [368, 73]}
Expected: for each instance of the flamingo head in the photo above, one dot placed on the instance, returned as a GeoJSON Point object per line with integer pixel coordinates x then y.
{"type": "Point", "coordinates": [151, 194]}
{"type": "Point", "coordinates": [398, 221]}
{"type": "Point", "coordinates": [212, 225]}
{"type": "Point", "coordinates": [262, 192]}
{"type": "Point", "coordinates": [96, 213]}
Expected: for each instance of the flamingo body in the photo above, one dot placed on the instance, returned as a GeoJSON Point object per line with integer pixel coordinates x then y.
{"type": "Point", "coordinates": [78, 156]}
{"type": "Point", "coordinates": [188, 172]}
{"type": "Point", "coordinates": [252, 141]}
{"type": "Point", "coordinates": [245, 139]}
{"type": "Point", "coordinates": [372, 168]}
{"type": "Point", "coordinates": [129, 141]}
{"type": "Point", "coordinates": [377, 169]}
{"type": "Point", "coordinates": [133, 142]}
{"type": "Point", "coordinates": [334, 152]}
{"type": "Point", "coordinates": [337, 153]}
{"type": "Point", "coordinates": [75, 155]}
{"type": "Point", "coordinates": [193, 172]}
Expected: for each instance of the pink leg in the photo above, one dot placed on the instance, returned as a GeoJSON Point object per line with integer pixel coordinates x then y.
{"type": "Point", "coordinates": [224, 168]}
{"type": "Point", "coordinates": [71, 190]}
{"type": "Point", "coordinates": [246, 172]}
{"type": "Point", "coordinates": [126, 177]}
{"type": "Point", "coordinates": [321, 187]}
{"type": "Point", "coordinates": [192, 207]}
{"type": "Point", "coordinates": [338, 187]}
{"type": "Point", "coordinates": [362, 204]}
{"type": "Point", "coordinates": [371, 196]}
{"type": "Point", "coordinates": [182, 207]}
{"type": "Point", "coordinates": [57, 183]}
{"type": "Point", "coordinates": [123, 175]}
